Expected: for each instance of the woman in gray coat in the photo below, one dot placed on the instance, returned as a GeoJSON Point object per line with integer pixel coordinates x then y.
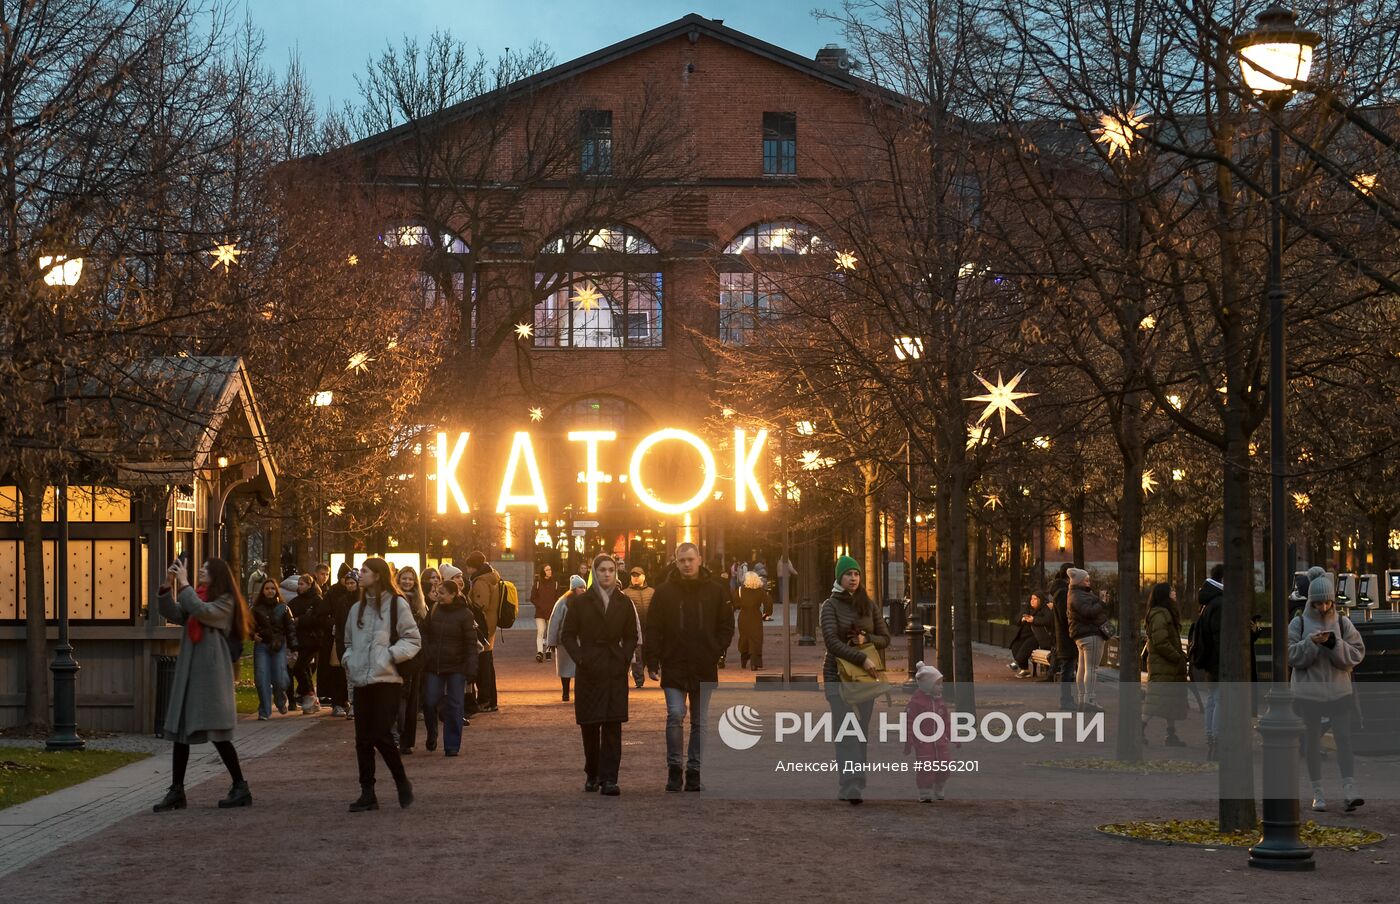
{"type": "Point", "coordinates": [562, 663]}
{"type": "Point", "coordinates": [201, 697]}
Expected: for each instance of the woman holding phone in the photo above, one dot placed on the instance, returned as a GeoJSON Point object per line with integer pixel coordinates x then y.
{"type": "Point", "coordinates": [201, 697]}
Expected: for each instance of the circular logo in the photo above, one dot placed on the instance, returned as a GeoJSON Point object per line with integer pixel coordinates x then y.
{"type": "Point", "coordinates": [740, 727]}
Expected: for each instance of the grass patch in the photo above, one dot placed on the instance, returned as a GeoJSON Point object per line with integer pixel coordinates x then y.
{"type": "Point", "coordinates": [1146, 767]}
{"type": "Point", "coordinates": [1206, 832]}
{"type": "Point", "coordinates": [27, 773]}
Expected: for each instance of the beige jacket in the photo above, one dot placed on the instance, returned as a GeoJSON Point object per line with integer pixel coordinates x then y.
{"type": "Point", "coordinates": [484, 599]}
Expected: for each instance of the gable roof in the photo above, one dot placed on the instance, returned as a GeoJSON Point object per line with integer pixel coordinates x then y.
{"type": "Point", "coordinates": [692, 24]}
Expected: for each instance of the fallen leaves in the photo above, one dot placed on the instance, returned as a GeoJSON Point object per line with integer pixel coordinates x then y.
{"type": "Point", "coordinates": [1206, 832]}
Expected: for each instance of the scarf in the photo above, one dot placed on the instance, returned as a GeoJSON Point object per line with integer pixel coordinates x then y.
{"type": "Point", "coordinates": [193, 627]}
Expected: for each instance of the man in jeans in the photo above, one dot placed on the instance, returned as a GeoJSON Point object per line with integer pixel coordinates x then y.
{"type": "Point", "coordinates": [689, 627]}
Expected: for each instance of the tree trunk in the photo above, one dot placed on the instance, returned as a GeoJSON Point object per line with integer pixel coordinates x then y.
{"type": "Point", "coordinates": [1236, 780]}
{"type": "Point", "coordinates": [943, 600]}
{"type": "Point", "coordinates": [1016, 574]}
{"type": "Point", "coordinates": [1198, 536]}
{"type": "Point", "coordinates": [36, 647]}
{"type": "Point", "coordinates": [1076, 528]}
{"type": "Point", "coordinates": [1129, 746]}
{"type": "Point", "coordinates": [963, 689]}
{"type": "Point", "coordinates": [871, 563]}
{"type": "Point", "coordinates": [1380, 543]}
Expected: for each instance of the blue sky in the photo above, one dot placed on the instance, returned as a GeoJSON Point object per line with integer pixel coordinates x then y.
{"type": "Point", "coordinates": [334, 38]}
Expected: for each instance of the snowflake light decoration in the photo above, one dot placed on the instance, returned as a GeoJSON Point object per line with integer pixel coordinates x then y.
{"type": "Point", "coordinates": [1149, 482]}
{"type": "Point", "coordinates": [359, 362]}
{"type": "Point", "coordinates": [226, 254]}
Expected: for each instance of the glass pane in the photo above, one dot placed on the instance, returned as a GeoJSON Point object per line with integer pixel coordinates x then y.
{"type": "Point", "coordinates": [11, 580]}
{"type": "Point", "coordinates": [777, 237]}
{"type": "Point", "coordinates": [111, 597]}
{"type": "Point", "coordinates": [111, 505]}
{"type": "Point", "coordinates": [9, 503]}
{"type": "Point", "coordinates": [79, 504]}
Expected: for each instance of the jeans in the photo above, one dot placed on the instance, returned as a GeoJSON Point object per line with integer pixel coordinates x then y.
{"type": "Point", "coordinates": [376, 708]}
{"type": "Point", "coordinates": [406, 728]}
{"type": "Point", "coordinates": [1064, 668]}
{"type": "Point", "coordinates": [1212, 709]}
{"type": "Point", "coordinates": [541, 632]}
{"type": "Point", "coordinates": [442, 700]}
{"type": "Point", "coordinates": [602, 751]}
{"type": "Point", "coordinates": [847, 746]}
{"type": "Point", "coordinates": [699, 697]}
{"type": "Point", "coordinates": [1087, 676]}
{"type": "Point", "coordinates": [639, 666]}
{"type": "Point", "coordinates": [270, 676]}
{"type": "Point", "coordinates": [1339, 714]}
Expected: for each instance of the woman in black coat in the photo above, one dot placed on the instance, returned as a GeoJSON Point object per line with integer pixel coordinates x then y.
{"type": "Point", "coordinates": [449, 661]}
{"type": "Point", "coordinates": [1034, 625]}
{"type": "Point", "coordinates": [600, 635]}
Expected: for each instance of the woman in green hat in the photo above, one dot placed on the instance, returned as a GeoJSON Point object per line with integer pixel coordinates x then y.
{"type": "Point", "coordinates": [850, 620]}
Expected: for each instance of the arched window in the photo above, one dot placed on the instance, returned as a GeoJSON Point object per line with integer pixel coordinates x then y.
{"type": "Point", "coordinates": [747, 298]}
{"type": "Point", "coordinates": [601, 287]}
{"type": "Point", "coordinates": [443, 281]}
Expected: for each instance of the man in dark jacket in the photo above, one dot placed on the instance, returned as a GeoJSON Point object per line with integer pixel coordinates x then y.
{"type": "Point", "coordinates": [600, 636]}
{"type": "Point", "coordinates": [330, 678]}
{"type": "Point", "coordinates": [1066, 654]}
{"type": "Point", "coordinates": [311, 634]}
{"type": "Point", "coordinates": [689, 628]}
{"type": "Point", "coordinates": [1203, 650]}
{"type": "Point", "coordinates": [640, 595]}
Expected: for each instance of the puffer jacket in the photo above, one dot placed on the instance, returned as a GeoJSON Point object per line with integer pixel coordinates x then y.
{"type": "Point", "coordinates": [837, 616]}
{"type": "Point", "coordinates": [1087, 613]}
{"type": "Point", "coordinates": [369, 658]}
{"type": "Point", "coordinates": [449, 639]}
{"type": "Point", "coordinates": [274, 624]}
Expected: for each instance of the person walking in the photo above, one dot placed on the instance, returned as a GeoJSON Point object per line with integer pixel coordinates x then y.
{"type": "Point", "coordinates": [688, 629]}
{"type": "Point", "coordinates": [1066, 655]}
{"type": "Point", "coordinates": [564, 666]}
{"type": "Point", "coordinates": [484, 598]}
{"type": "Point", "coordinates": [380, 634]}
{"type": "Point", "coordinates": [449, 660]}
{"type": "Point", "coordinates": [1166, 664]}
{"type": "Point", "coordinates": [406, 729]}
{"type": "Point", "coordinates": [1203, 651]}
{"type": "Point", "coordinates": [849, 620]}
{"type": "Point", "coordinates": [274, 633]}
{"type": "Point", "coordinates": [330, 677]}
{"type": "Point", "coordinates": [600, 635]}
{"type": "Point", "coordinates": [1033, 627]}
{"type": "Point", "coordinates": [311, 622]}
{"type": "Point", "coordinates": [1088, 620]}
{"type": "Point", "coordinates": [1324, 648]}
{"type": "Point", "coordinates": [640, 595]}
{"type": "Point", "coordinates": [202, 706]}
{"type": "Point", "coordinates": [542, 597]}
{"type": "Point", "coordinates": [753, 604]}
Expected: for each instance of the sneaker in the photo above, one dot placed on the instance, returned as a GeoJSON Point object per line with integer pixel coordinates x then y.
{"type": "Point", "coordinates": [1013, 666]}
{"type": "Point", "coordinates": [281, 709]}
{"type": "Point", "coordinates": [307, 708]}
{"type": "Point", "coordinates": [262, 718]}
{"type": "Point", "coordinates": [925, 797]}
{"type": "Point", "coordinates": [1023, 673]}
{"type": "Point", "coordinates": [338, 711]}
{"type": "Point", "coordinates": [1174, 741]}
{"type": "Point", "coordinates": [1319, 803]}
{"type": "Point", "coordinates": [1350, 798]}
{"type": "Point", "coordinates": [539, 657]}
{"type": "Point", "coordinates": [548, 655]}
{"type": "Point", "coordinates": [610, 789]}
{"type": "Point", "coordinates": [1090, 708]}
{"type": "Point", "coordinates": [349, 712]}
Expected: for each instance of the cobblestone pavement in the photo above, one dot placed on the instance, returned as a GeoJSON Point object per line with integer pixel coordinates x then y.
{"type": "Point", "coordinates": [508, 821]}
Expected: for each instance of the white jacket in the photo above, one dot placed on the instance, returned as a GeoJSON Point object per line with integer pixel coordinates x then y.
{"type": "Point", "coordinates": [369, 659]}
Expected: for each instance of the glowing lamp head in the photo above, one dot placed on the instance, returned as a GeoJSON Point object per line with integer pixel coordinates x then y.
{"type": "Point", "coordinates": [61, 270]}
{"type": "Point", "coordinates": [1277, 55]}
{"type": "Point", "coordinates": [323, 398]}
{"type": "Point", "coordinates": [908, 348]}
{"type": "Point", "coordinates": [223, 461]}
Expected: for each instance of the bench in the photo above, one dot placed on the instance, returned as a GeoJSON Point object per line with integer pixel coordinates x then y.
{"type": "Point", "coordinates": [1040, 659]}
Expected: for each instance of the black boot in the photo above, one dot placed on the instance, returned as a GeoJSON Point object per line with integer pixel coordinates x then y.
{"type": "Point", "coordinates": [174, 800]}
{"type": "Point", "coordinates": [743, 660]}
{"type": "Point", "coordinates": [366, 800]}
{"type": "Point", "coordinates": [673, 779]}
{"type": "Point", "coordinates": [692, 780]}
{"type": "Point", "coordinates": [238, 796]}
{"type": "Point", "coordinates": [405, 794]}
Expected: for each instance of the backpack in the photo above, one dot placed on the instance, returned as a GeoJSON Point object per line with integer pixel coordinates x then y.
{"type": "Point", "coordinates": [507, 605]}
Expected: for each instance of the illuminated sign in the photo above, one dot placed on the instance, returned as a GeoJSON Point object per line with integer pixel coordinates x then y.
{"type": "Point", "coordinates": [747, 455]}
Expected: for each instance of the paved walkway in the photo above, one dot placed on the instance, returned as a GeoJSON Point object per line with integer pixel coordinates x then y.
{"type": "Point", "coordinates": [46, 824]}
{"type": "Point", "coordinates": [507, 821]}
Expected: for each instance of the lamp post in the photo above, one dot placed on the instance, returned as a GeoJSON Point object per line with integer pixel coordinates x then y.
{"type": "Point", "coordinates": [1275, 59]}
{"type": "Point", "coordinates": [911, 348]}
{"type": "Point", "coordinates": [62, 273]}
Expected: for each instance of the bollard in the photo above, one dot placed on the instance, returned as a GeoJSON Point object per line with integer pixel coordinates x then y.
{"type": "Point", "coordinates": [806, 624]}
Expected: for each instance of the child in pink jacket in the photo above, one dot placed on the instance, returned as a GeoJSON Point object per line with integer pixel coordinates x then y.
{"type": "Point", "coordinates": [928, 698]}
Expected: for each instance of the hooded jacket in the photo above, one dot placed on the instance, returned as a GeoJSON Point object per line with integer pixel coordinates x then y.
{"type": "Point", "coordinates": [369, 658]}
{"type": "Point", "coordinates": [483, 598]}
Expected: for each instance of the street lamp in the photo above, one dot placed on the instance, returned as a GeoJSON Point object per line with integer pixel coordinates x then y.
{"type": "Point", "coordinates": [911, 348]}
{"type": "Point", "coordinates": [62, 272]}
{"type": "Point", "coordinates": [1275, 59]}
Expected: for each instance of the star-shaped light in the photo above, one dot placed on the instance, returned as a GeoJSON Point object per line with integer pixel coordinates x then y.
{"type": "Point", "coordinates": [1178, 474]}
{"type": "Point", "coordinates": [1302, 500]}
{"type": "Point", "coordinates": [976, 436]}
{"type": "Point", "coordinates": [992, 501]}
{"type": "Point", "coordinates": [353, 260]}
{"type": "Point", "coordinates": [226, 254]}
{"type": "Point", "coordinates": [1147, 323]}
{"type": "Point", "coordinates": [1000, 398]}
{"type": "Point", "coordinates": [1118, 131]}
{"type": "Point", "coordinates": [524, 330]}
{"type": "Point", "coordinates": [536, 414]}
{"type": "Point", "coordinates": [336, 508]}
{"type": "Point", "coordinates": [359, 362]}
{"type": "Point", "coordinates": [1365, 183]}
{"type": "Point", "coordinates": [1149, 482]}
{"type": "Point", "coordinates": [587, 298]}
{"type": "Point", "coordinates": [1042, 442]}
{"type": "Point", "coordinates": [845, 260]}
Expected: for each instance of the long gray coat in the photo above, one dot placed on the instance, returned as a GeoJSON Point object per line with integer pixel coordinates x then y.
{"type": "Point", "coordinates": [562, 663]}
{"type": "Point", "coordinates": [201, 699]}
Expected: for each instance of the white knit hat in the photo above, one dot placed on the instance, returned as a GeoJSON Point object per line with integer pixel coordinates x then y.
{"type": "Point", "coordinates": [449, 572]}
{"type": "Point", "coordinates": [921, 670]}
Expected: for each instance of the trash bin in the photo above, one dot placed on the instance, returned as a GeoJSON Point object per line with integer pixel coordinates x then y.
{"type": "Point", "coordinates": [165, 681]}
{"type": "Point", "coordinates": [806, 624]}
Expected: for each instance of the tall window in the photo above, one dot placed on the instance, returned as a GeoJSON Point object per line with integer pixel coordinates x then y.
{"type": "Point", "coordinates": [602, 289]}
{"type": "Point", "coordinates": [747, 298]}
{"type": "Point", "coordinates": [443, 281]}
{"type": "Point", "coordinates": [779, 144]}
{"type": "Point", "coordinates": [595, 141]}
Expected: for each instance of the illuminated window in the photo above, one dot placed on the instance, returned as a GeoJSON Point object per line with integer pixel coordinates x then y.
{"type": "Point", "coordinates": [1155, 559]}
{"type": "Point", "coordinates": [779, 144]}
{"type": "Point", "coordinates": [595, 142]}
{"type": "Point", "coordinates": [414, 234]}
{"type": "Point", "coordinates": [601, 288]}
{"type": "Point", "coordinates": [747, 298]}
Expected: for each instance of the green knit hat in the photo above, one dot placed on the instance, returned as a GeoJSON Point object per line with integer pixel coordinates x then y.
{"type": "Point", "coordinates": [845, 564]}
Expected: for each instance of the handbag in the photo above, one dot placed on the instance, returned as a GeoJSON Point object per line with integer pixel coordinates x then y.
{"type": "Point", "coordinates": [858, 685]}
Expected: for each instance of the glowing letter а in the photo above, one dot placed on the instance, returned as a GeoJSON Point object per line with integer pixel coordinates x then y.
{"type": "Point", "coordinates": [707, 483]}
{"type": "Point", "coordinates": [447, 472]}
{"type": "Point", "coordinates": [744, 480]}
{"type": "Point", "coordinates": [591, 476]}
{"type": "Point", "coordinates": [522, 449]}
